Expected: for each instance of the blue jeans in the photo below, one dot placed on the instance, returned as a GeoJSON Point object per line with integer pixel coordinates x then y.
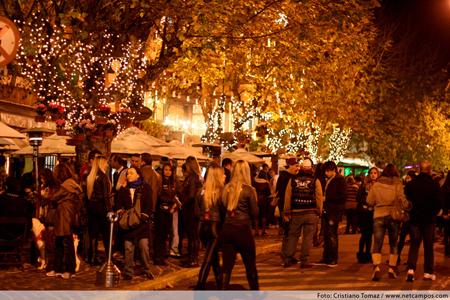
{"type": "Point", "coordinates": [309, 224]}
{"type": "Point", "coordinates": [417, 232]}
{"type": "Point", "coordinates": [330, 225]}
{"type": "Point", "coordinates": [380, 225]}
{"type": "Point", "coordinates": [129, 256]}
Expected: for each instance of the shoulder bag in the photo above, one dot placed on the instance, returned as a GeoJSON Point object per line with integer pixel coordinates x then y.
{"type": "Point", "coordinates": [399, 214]}
{"type": "Point", "coordinates": [131, 218]}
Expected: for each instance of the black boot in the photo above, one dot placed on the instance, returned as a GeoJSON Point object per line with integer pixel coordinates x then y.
{"type": "Point", "coordinates": [193, 255]}
{"type": "Point", "coordinates": [93, 252]}
{"type": "Point", "coordinates": [217, 275]}
{"type": "Point", "coordinates": [361, 257]}
{"type": "Point", "coordinates": [185, 263]}
{"type": "Point", "coordinates": [200, 287]}
{"type": "Point", "coordinates": [253, 281]}
{"type": "Point", "coordinates": [225, 282]}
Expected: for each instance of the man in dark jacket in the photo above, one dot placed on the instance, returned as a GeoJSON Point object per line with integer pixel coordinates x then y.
{"type": "Point", "coordinates": [227, 164]}
{"type": "Point", "coordinates": [333, 209]}
{"type": "Point", "coordinates": [292, 168]}
{"type": "Point", "coordinates": [155, 181]}
{"type": "Point", "coordinates": [426, 197]}
{"type": "Point", "coordinates": [302, 207]}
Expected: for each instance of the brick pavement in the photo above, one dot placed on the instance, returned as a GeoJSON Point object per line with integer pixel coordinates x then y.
{"type": "Point", "coordinates": [12, 278]}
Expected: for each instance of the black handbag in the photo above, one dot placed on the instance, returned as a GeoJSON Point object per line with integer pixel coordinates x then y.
{"type": "Point", "coordinates": [131, 218]}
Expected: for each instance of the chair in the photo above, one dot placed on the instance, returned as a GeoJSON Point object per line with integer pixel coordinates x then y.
{"type": "Point", "coordinates": [13, 231]}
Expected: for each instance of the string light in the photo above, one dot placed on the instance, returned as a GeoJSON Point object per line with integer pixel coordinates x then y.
{"type": "Point", "coordinates": [69, 73]}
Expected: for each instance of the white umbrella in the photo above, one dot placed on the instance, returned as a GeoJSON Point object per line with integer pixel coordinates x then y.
{"type": "Point", "coordinates": [244, 155]}
{"type": "Point", "coordinates": [53, 144]}
{"type": "Point", "coordinates": [182, 151]}
{"type": "Point", "coordinates": [131, 147]}
{"type": "Point", "coordinates": [134, 134]}
{"type": "Point", "coordinates": [8, 132]}
{"type": "Point", "coordinates": [7, 144]}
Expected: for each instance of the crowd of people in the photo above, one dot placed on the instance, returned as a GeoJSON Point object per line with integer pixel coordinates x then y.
{"type": "Point", "coordinates": [220, 210]}
{"type": "Point", "coordinates": [370, 208]}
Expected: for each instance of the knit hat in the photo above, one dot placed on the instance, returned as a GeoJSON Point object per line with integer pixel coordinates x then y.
{"type": "Point", "coordinates": [292, 161]}
{"type": "Point", "coordinates": [306, 165]}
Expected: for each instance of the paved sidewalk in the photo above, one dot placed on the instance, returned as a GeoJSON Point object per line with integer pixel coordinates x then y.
{"type": "Point", "coordinates": [13, 278]}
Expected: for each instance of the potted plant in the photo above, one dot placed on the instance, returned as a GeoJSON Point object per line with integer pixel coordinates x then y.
{"type": "Point", "coordinates": [72, 142]}
{"type": "Point", "coordinates": [243, 136]}
{"type": "Point", "coordinates": [41, 109]}
{"type": "Point", "coordinates": [262, 130]}
{"type": "Point", "coordinates": [102, 113]}
{"type": "Point", "coordinates": [124, 114]}
{"type": "Point", "coordinates": [56, 110]}
{"type": "Point", "coordinates": [108, 128]}
{"type": "Point", "coordinates": [60, 124]}
{"type": "Point", "coordinates": [80, 128]}
{"type": "Point", "coordinates": [266, 149]}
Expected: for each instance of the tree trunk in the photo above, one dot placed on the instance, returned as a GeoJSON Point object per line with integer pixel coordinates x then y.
{"type": "Point", "coordinates": [103, 145]}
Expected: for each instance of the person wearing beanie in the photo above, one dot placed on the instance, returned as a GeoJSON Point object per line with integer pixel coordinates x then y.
{"type": "Point", "coordinates": [302, 207]}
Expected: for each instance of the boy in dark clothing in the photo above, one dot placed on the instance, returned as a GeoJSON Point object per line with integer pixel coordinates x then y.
{"type": "Point", "coordinates": [292, 168]}
{"type": "Point", "coordinates": [333, 209]}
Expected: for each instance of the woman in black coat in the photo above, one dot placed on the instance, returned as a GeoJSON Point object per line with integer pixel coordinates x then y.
{"type": "Point", "coordinates": [190, 190]}
{"type": "Point", "coordinates": [208, 210]}
{"type": "Point", "coordinates": [239, 201]}
{"type": "Point", "coordinates": [136, 190]}
{"type": "Point", "coordinates": [262, 188]}
{"type": "Point", "coordinates": [65, 197]}
{"type": "Point", "coordinates": [163, 214]}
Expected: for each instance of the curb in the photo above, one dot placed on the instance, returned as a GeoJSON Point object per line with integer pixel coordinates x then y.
{"type": "Point", "coordinates": [167, 281]}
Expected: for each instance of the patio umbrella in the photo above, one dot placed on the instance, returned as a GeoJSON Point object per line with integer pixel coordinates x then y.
{"type": "Point", "coordinates": [182, 151]}
{"type": "Point", "coordinates": [7, 144]}
{"type": "Point", "coordinates": [133, 134]}
{"type": "Point", "coordinates": [131, 147]}
{"type": "Point", "coordinates": [8, 132]}
{"type": "Point", "coordinates": [53, 144]}
{"type": "Point", "coordinates": [244, 155]}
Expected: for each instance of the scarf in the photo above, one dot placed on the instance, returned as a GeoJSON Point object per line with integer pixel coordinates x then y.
{"type": "Point", "coordinates": [134, 184]}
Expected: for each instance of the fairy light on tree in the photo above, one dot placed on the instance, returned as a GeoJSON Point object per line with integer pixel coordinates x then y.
{"type": "Point", "coordinates": [68, 73]}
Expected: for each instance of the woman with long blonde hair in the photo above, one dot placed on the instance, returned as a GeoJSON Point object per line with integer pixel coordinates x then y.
{"type": "Point", "coordinates": [98, 191]}
{"type": "Point", "coordinates": [210, 222]}
{"type": "Point", "coordinates": [190, 190]}
{"type": "Point", "coordinates": [239, 201]}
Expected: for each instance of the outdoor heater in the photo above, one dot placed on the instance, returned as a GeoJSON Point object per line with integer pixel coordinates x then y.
{"type": "Point", "coordinates": [109, 275]}
{"type": "Point", "coordinates": [35, 137]}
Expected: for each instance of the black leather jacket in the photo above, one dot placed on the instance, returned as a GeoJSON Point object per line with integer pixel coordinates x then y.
{"type": "Point", "coordinates": [190, 189]}
{"type": "Point", "coordinates": [246, 209]}
{"type": "Point", "coordinates": [102, 190]}
{"type": "Point", "coordinates": [168, 191]}
{"type": "Point", "coordinates": [215, 214]}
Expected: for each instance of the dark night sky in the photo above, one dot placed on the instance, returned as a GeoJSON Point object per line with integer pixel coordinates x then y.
{"type": "Point", "coordinates": [425, 22]}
